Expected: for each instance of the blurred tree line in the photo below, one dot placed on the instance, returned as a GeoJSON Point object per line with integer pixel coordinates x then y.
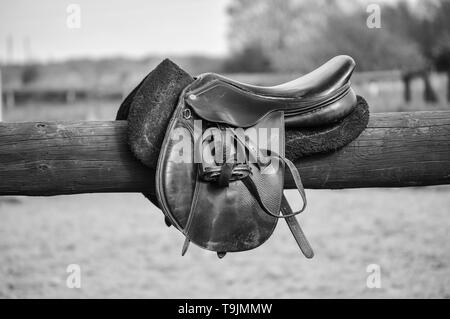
{"type": "Point", "coordinates": [282, 36]}
{"type": "Point", "coordinates": [298, 35]}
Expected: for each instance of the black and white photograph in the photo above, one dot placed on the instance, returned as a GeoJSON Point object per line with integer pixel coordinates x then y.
{"type": "Point", "coordinates": [224, 150]}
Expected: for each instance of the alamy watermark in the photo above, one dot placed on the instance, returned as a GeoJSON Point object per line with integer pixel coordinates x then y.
{"type": "Point", "coordinates": [374, 19]}
{"type": "Point", "coordinates": [74, 278]}
{"type": "Point", "coordinates": [73, 20]}
{"type": "Point", "coordinates": [226, 145]}
{"type": "Point", "coordinates": [374, 279]}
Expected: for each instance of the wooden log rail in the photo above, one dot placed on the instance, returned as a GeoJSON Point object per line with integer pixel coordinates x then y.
{"type": "Point", "coordinates": [54, 158]}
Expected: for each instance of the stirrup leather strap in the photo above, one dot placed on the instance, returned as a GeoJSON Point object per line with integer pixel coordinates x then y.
{"type": "Point", "coordinates": [296, 230]}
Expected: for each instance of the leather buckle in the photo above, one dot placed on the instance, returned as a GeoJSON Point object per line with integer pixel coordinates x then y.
{"type": "Point", "coordinates": [187, 114]}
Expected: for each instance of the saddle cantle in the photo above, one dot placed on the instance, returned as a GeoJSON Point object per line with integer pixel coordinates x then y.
{"type": "Point", "coordinates": [221, 166]}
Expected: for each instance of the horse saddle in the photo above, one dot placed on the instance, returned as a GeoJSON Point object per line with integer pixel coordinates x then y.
{"type": "Point", "coordinates": [221, 165]}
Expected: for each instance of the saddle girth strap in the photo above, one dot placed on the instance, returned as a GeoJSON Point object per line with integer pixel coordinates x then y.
{"type": "Point", "coordinates": [190, 217]}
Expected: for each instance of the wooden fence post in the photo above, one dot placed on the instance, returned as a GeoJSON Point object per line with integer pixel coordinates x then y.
{"type": "Point", "coordinates": [448, 85]}
{"type": "Point", "coordinates": [1, 97]}
{"type": "Point", "coordinates": [429, 95]}
{"type": "Point", "coordinates": [406, 87]}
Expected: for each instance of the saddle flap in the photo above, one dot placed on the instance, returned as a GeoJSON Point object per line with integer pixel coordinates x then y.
{"type": "Point", "coordinates": [218, 217]}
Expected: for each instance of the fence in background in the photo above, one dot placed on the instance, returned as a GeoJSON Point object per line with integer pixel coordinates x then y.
{"type": "Point", "coordinates": [16, 96]}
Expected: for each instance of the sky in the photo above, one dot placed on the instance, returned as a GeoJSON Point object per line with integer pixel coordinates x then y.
{"type": "Point", "coordinates": [47, 30]}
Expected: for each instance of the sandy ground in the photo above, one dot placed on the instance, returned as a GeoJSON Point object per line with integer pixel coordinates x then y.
{"type": "Point", "coordinates": [125, 250]}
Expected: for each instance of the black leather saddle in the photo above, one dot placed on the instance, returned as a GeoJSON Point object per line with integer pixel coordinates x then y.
{"type": "Point", "coordinates": [218, 147]}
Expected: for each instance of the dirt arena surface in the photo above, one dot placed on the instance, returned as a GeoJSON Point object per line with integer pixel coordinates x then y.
{"type": "Point", "coordinates": [125, 250]}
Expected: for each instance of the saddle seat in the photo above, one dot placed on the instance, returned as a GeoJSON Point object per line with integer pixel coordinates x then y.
{"type": "Point", "coordinates": [318, 98]}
